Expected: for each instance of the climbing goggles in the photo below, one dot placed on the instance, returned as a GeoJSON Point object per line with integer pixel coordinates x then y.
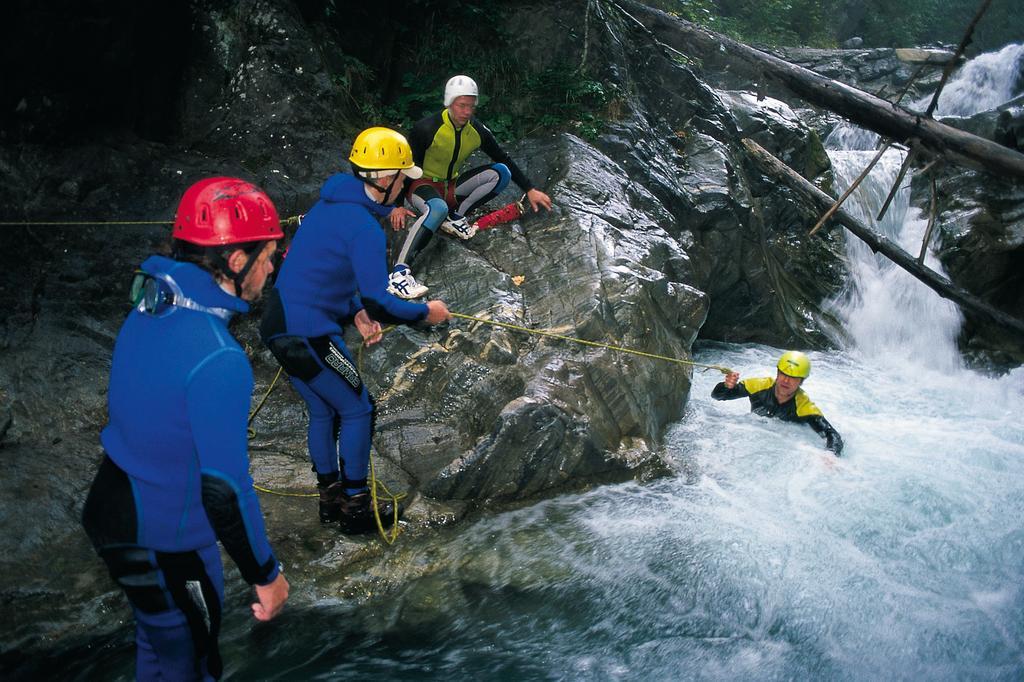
{"type": "Point", "coordinates": [157, 294]}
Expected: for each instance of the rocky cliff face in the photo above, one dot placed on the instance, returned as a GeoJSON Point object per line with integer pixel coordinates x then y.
{"type": "Point", "coordinates": [884, 71]}
{"type": "Point", "coordinates": [662, 231]}
{"type": "Point", "coordinates": [980, 241]}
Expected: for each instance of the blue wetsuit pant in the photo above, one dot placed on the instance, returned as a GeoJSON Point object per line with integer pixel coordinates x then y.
{"type": "Point", "coordinates": [170, 643]}
{"type": "Point", "coordinates": [177, 597]}
{"type": "Point", "coordinates": [341, 412]}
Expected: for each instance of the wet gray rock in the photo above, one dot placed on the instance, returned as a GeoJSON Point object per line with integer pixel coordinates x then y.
{"type": "Point", "coordinates": [1004, 125]}
{"type": "Point", "coordinates": [980, 221]}
{"type": "Point", "coordinates": [772, 122]}
{"type": "Point", "coordinates": [879, 71]}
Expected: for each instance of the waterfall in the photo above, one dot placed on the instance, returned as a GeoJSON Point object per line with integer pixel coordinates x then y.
{"type": "Point", "coordinates": [888, 313]}
{"type": "Point", "coordinates": [984, 83]}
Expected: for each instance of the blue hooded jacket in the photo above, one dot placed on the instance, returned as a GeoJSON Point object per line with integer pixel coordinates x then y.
{"type": "Point", "coordinates": [178, 402]}
{"type": "Point", "coordinates": [337, 265]}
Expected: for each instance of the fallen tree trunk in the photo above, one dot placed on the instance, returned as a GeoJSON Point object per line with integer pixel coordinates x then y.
{"type": "Point", "coordinates": [861, 108]}
{"type": "Point", "coordinates": [879, 243]}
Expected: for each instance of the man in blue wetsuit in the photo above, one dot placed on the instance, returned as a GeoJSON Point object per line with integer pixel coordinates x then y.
{"type": "Point", "coordinates": [175, 475]}
{"type": "Point", "coordinates": [441, 143]}
{"type": "Point", "coordinates": [336, 274]}
{"type": "Point", "coordinates": [782, 397]}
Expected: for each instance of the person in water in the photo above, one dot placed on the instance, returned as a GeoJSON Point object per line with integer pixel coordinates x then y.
{"type": "Point", "coordinates": [335, 274]}
{"type": "Point", "coordinates": [174, 478]}
{"type": "Point", "coordinates": [782, 397]}
{"type": "Point", "coordinates": [443, 198]}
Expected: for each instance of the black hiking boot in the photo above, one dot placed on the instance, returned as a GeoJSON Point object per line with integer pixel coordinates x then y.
{"type": "Point", "coordinates": [357, 513]}
{"type": "Point", "coordinates": [331, 496]}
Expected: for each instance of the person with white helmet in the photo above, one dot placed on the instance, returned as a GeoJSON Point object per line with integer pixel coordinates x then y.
{"type": "Point", "coordinates": [782, 397]}
{"type": "Point", "coordinates": [442, 198]}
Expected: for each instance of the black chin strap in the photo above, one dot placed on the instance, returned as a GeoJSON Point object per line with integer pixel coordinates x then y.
{"type": "Point", "coordinates": [386, 190]}
{"type": "Point", "coordinates": [238, 277]}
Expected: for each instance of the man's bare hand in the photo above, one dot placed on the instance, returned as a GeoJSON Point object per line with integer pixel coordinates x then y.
{"type": "Point", "coordinates": [731, 379]}
{"type": "Point", "coordinates": [538, 200]}
{"type": "Point", "coordinates": [398, 216]}
{"type": "Point", "coordinates": [368, 328]}
{"type": "Point", "coordinates": [271, 598]}
{"type": "Point", "coordinates": [437, 312]}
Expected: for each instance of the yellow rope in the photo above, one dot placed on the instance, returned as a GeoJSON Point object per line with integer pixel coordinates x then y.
{"type": "Point", "coordinates": [595, 344]}
{"type": "Point", "coordinates": [375, 482]}
{"type": "Point", "coordinates": [395, 530]}
{"type": "Point", "coordinates": [283, 494]}
{"type": "Point", "coordinates": [252, 415]}
{"type": "Point", "coordinates": [292, 220]}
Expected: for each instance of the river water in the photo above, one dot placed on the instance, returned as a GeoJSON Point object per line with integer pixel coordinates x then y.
{"type": "Point", "coordinates": [763, 557]}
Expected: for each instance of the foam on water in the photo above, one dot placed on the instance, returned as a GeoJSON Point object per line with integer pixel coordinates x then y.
{"type": "Point", "coordinates": [982, 84]}
{"type": "Point", "coordinates": [764, 558]}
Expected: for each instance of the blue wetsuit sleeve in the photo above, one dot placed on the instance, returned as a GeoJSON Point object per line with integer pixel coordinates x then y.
{"type": "Point", "coordinates": [370, 265]}
{"type": "Point", "coordinates": [489, 145]}
{"type": "Point", "coordinates": [218, 396]}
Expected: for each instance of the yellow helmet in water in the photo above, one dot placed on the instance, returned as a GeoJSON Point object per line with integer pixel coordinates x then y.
{"type": "Point", "coordinates": [383, 149]}
{"type": "Point", "coordinates": [795, 364]}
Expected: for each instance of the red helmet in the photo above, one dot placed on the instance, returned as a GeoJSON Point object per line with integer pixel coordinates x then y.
{"type": "Point", "coordinates": [219, 211]}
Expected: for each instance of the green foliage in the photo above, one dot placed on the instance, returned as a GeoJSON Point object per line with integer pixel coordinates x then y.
{"type": "Point", "coordinates": [436, 40]}
{"type": "Point", "coordinates": [772, 22]}
{"type": "Point", "coordinates": [825, 23]}
{"type": "Point", "coordinates": [698, 11]}
{"type": "Point", "coordinates": [902, 23]}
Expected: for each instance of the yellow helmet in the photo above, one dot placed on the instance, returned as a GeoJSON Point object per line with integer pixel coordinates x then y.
{"type": "Point", "coordinates": [795, 364]}
{"type": "Point", "coordinates": [379, 149]}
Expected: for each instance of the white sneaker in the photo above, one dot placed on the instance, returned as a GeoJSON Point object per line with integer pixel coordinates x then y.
{"type": "Point", "coordinates": [458, 226]}
{"type": "Point", "coordinates": [402, 284]}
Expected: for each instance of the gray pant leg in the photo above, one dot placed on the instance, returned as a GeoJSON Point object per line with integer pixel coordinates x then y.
{"type": "Point", "coordinates": [476, 189]}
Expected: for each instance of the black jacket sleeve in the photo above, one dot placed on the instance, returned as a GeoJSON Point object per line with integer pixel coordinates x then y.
{"type": "Point", "coordinates": [721, 392]}
{"type": "Point", "coordinates": [422, 136]}
{"type": "Point", "coordinates": [833, 441]}
{"type": "Point", "coordinates": [490, 146]}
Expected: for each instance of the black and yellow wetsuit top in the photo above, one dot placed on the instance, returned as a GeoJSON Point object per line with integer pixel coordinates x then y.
{"type": "Point", "coordinates": [440, 149]}
{"type": "Point", "coordinates": [798, 409]}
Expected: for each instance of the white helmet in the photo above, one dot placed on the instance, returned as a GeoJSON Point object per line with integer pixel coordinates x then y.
{"type": "Point", "coordinates": [458, 86]}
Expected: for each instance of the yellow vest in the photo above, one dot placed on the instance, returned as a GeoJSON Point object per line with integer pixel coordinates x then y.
{"type": "Point", "coordinates": [449, 150]}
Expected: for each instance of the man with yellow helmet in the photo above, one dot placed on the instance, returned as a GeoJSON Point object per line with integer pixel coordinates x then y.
{"type": "Point", "coordinates": [782, 396]}
{"type": "Point", "coordinates": [335, 275]}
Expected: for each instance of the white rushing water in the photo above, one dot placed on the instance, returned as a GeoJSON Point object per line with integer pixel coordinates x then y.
{"type": "Point", "coordinates": [890, 316]}
{"type": "Point", "coordinates": [764, 557]}
{"type": "Point", "coordinates": [984, 83]}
